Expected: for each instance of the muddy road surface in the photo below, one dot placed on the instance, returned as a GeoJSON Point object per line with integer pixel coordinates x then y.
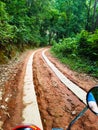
{"type": "Point", "coordinates": [57, 104]}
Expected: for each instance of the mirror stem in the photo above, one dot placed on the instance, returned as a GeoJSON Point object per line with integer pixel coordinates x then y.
{"type": "Point", "coordinates": [77, 117]}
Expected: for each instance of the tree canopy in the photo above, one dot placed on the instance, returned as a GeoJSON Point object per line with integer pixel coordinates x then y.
{"type": "Point", "coordinates": [45, 22]}
{"type": "Point", "coordinates": [38, 22]}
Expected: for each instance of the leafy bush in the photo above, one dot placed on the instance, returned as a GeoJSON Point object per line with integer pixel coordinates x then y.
{"type": "Point", "coordinates": [88, 45]}
{"type": "Point", "coordinates": [80, 53]}
{"type": "Point", "coordinates": [66, 47]}
{"type": "Point", "coordinates": [93, 44]}
{"type": "Point", "coordinates": [6, 30]}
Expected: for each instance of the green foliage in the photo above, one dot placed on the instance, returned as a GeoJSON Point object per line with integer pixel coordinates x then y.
{"type": "Point", "coordinates": [88, 45]}
{"type": "Point", "coordinates": [75, 15]}
{"type": "Point", "coordinates": [80, 53]}
{"type": "Point", "coordinates": [33, 21]}
{"type": "Point", "coordinates": [44, 22]}
{"type": "Point", "coordinates": [6, 30]}
{"type": "Point", "coordinates": [66, 47]}
{"type": "Point", "coordinates": [92, 15]}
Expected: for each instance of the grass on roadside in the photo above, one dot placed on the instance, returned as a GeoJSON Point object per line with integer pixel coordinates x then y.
{"type": "Point", "coordinates": [78, 64]}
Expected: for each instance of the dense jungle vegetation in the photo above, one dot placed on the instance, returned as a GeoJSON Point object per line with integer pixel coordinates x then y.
{"type": "Point", "coordinates": [69, 26]}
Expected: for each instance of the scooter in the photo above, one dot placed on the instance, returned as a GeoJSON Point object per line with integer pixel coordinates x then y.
{"type": "Point", "coordinates": [92, 104]}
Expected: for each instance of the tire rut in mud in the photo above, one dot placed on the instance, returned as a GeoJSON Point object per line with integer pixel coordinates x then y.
{"type": "Point", "coordinates": [58, 106]}
{"type": "Point", "coordinates": [51, 95]}
{"type": "Point", "coordinates": [40, 90]}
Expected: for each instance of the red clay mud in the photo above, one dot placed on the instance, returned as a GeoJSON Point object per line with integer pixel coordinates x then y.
{"type": "Point", "coordinates": [58, 105]}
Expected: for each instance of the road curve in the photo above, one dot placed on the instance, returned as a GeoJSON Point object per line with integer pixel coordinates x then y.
{"type": "Point", "coordinates": [31, 110]}
{"type": "Point", "coordinates": [56, 104]}
{"type": "Point", "coordinates": [80, 93]}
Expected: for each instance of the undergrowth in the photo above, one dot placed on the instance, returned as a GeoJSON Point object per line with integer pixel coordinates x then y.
{"type": "Point", "coordinates": [9, 52]}
{"type": "Point", "coordinates": [79, 53]}
{"type": "Point", "coordinates": [78, 64]}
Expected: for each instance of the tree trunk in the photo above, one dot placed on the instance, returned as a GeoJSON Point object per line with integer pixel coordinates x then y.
{"type": "Point", "coordinates": [96, 22]}
{"type": "Point", "coordinates": [94, 14]}
{"type": "Point", "coordinates": [88, 17]}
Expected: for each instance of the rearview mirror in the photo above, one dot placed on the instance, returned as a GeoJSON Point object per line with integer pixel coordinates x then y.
{"type": "Point", "coordinates": [92, 100]}
{"type": "Point", "coordinates": [92, 104]}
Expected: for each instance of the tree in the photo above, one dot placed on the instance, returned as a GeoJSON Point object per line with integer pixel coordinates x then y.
{"type": "Point", "coordinates": [92, 15]}
{"type": "Point", "coordinates": [75, 15]}
{"type": "Point", "coordinates": [6, 30]}
{"type": "Point", "coordinates": [95, 14]}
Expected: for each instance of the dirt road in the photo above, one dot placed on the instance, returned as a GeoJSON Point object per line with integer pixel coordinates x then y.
{"type": "Point", "coordinates": [57, 104]}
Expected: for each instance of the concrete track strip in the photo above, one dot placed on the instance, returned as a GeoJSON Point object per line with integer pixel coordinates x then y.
{"type": "Point", "coordinates": [80, 93]}
{"type": "Point", "coordinates": [31, 113]}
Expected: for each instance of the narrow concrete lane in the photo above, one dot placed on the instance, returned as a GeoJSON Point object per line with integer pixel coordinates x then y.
{"type": "Point", "coordinates": [31, 113]}
{"type": "Point", "coordinates": [80, 93]}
